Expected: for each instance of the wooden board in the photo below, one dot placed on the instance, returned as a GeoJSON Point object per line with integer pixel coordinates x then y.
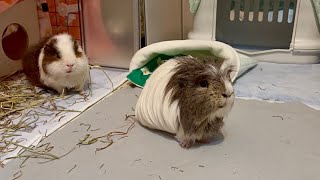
{"type": "Point", "coordinates": [24, 14]}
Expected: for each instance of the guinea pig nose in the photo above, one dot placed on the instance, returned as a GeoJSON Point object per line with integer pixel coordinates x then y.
{"type": "Point", "coordinates": [70, 65]}
{"type": "Point", "coordinates": [227, 95]}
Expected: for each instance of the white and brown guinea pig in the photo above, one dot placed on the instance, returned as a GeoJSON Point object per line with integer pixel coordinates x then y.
{"type": "Point", "coordinates": [187, 97]}
{"type": "Point", "coordinates": [57, 63]}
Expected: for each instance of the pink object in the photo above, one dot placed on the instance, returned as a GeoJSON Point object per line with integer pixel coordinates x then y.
{"type": "Point", "coordinates": [97, 41]}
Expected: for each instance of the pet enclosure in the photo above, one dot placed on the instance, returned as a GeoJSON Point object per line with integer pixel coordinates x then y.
{"type": "Point", "coordinates": [262, 24]}
{"type": "Point", "coordinates": [281, 31]}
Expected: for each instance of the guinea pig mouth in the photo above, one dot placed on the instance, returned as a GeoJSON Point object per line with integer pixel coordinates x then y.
{"type": "Point", "coordinates": [222, 106]}
{"type": "Point", "coordinates": [68, 71]}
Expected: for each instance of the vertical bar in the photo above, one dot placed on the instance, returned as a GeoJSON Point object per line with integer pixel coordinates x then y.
{"type": "Point", "coordinates": [136, 25]}
{"type": "Point", "coordinates": [251, 10]}
{"type": "Point", "coordinates": [286, 7]}
{"type": "Point", "coordinates": [246, 10]}
{"type": "Point", "coordinates": [266, 10]}
{"type": "Point", "coordinates": [275, 10]}
{"type": "Point", "coordinates": [294, 2]}
{"type": "Point", "coordinates": [83, 43]}
{"type": "Point", "coordinates": [232, 11]}
{"type": "Point", "coordinates": [223, 8]}
{"type": "Point", "coordinates": [181, 20]}
{"type": "Point", "coordinates": [256, 11]}
{"type": "Point", "coordinates": [80, 23]}
{"type": "Point", "coordinates": [56, 16]}
{"type": "Point", "coordinates": [237, 10]}
{"type": "Point", "coordinates": [227, 5]}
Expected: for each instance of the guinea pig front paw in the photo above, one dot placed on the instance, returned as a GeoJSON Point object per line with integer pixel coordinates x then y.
{"type": "Point", "coordinates": [186, 143]}
{"type": "Point", "coordinates": [80, 90]}
{"type": "Point", "coordinates": [82, 93]}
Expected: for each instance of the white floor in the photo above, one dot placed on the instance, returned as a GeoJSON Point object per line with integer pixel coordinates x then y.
{"type": "Point", "coordinates": [262, 141]}
{"type": "Point", "coordinates": [281, 83]}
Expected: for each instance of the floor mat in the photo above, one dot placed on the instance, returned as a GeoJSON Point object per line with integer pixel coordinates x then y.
{"type": "Point", "coordinates": [281, 83]}
{"type": "Point", "coordinates": [73, 105]}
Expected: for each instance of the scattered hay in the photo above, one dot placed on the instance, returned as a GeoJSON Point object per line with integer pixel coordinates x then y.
{"type": "Point", "coordinates": [107, 138]}
{"type": "Point", "coordinates": [99, 67]}
{"type": "Point", "coordinates": [18, 95]}
{"type": "Point", "coordinates": [21, 106]}
{"type": "Point", "coordinates": [278, 117]}
{"type": "Point", "coordinates": [72, 168]}
{"type": "Point", "coordinates": [17, 175]}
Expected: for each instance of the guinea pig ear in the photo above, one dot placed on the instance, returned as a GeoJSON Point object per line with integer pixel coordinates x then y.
{"type": "Point", "coordinates": [226, 69]}
{"type": "Point", "coordinates": [50, 50]}
{"type": "Point", "coordinates": [76, 49]}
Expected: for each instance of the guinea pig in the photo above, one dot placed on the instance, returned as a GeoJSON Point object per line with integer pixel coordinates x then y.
{"type": "Point", "coordinates": [57, 63]}
{"type": "Point", "coordinates": [188, 97]}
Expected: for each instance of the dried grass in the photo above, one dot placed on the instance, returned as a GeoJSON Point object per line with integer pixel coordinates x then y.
{"type": "Point", "coordinates": [108, 137]}
{"type": "Point", "coordinates": [21, 106]}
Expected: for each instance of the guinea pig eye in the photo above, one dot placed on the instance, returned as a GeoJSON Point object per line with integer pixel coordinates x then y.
{"type": "Point", "coordinates": [58, 56]}
{"type": "Point", "coordinates": [204, 83]}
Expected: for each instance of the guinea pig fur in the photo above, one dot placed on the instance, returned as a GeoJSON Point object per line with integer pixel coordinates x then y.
{"type": "Point", "coordinates": [195, 96]}
{"type": "Point", "coordinates": [57, 63]}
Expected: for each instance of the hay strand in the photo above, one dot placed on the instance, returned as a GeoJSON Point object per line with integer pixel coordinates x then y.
{"type": "Point", "coordinates": [99, 67]}
{"type": "Point", "coordinates": [21, 108]}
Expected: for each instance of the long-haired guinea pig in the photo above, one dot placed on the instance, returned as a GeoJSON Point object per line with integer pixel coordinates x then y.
{"type": "Point", "coordinates": [57, 63]}
{"type": "Point", "coordinates": [187, 97]}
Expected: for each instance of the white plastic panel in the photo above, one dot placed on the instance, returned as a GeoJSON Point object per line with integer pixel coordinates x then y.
{"type": "Point", "coordinates": [204, 21]}
{"type": "Point", "coordinates": [163, 20]}
{"type": "Point", "coordinates": [187, 19]}
{"type": "Point", "coordinates": [307, 32]}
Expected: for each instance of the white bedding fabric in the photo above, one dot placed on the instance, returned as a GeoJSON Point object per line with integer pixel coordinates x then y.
{"type": "Point", "coordinates": [176, 47]}
{"type": "Point", "coordinates": [152, 109]}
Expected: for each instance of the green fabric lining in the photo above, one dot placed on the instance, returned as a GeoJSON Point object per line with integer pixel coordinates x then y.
{"type": "Point", "coordinates": [194, 4]}
{"type": "Point", "coordinates": [140, 76]}
{"type": "Point", "coordinates": [316, 9]}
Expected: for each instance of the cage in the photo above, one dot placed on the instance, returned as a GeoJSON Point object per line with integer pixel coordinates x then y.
{"type": "Point", "coordinates": [280, 31]}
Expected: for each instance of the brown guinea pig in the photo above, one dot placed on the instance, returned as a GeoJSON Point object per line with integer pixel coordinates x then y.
{"type": "Point", "coordinates": [57, 63]}
{"type": "Point", "coordinates": [187, 97]}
